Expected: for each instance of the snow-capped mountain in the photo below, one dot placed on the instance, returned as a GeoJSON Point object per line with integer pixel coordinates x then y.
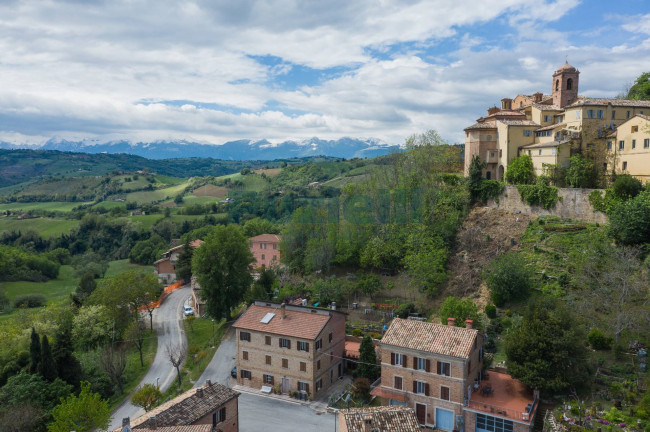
{"type": "Point", "coordinates": [232, 150]}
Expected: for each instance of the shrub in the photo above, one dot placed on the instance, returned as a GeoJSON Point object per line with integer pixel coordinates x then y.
{"type": "Point", "coordinates": [404, 310]}
{"type": "Point", "coordinates": [629, 222]}
{"type": "Point", "coordinates": [29, 300]}
{"type": "Point", "coordinates": [581, 173]}
{"type": "Point", "coordinates": [539, 194]}
{"type": "Point", "coordinates": [508, 278]}
{"type": "Point", "coordinates": [626, 186]}
{"type": "Point", "coordinates": [490, 189]}
{"type": "Point", "coordinates": [491, 311]}
{"type": "Point", "coordinates": [597, 340]}
{"type": "Point", "coordinates": [459, 309]}
{"type": "Point", "coordinates": [520, 170]}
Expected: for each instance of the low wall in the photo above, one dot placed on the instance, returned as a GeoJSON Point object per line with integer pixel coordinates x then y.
{"type": "Point", "coordinates": [574, 204]}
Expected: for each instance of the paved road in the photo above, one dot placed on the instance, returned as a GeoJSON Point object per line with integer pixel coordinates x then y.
{"type": "Point", "coordinates": [167, 321]}
{"type": "Point", "coordinates": [259, 413]}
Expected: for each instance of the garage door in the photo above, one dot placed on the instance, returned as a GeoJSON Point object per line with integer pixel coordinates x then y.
{"type": "Point", "coordinates": [444, 419]}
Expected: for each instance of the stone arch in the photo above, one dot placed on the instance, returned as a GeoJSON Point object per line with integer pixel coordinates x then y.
{"type": "Point", "coordinates": [557, 85]}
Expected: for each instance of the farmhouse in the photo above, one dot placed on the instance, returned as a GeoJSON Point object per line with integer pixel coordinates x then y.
{"type": "Point", "coordinates": [165, 266]}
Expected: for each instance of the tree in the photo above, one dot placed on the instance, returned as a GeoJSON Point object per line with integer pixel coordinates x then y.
{"type": "Point", "coordinates": [92, 326]}
{"type": "Point", "coordinates": [136, 334]}
{"type": "Point", "coordinates": [86, 286]}
{"type": "Point", "coordinates": [22, 417]}
{"type": "Point", "coordinates": [640, 90]}
{"type": "Point", "coordinates": [581, 172]}
{"type": "Point", "coordinates": [547, 350]}
{"type": "Point", "coordinates": [520, 170]}
{"type": "Point", "coordinates": [176, 355]}
{"type": "Point", "coordinates": [256, 226]}
{"type": "Point", "coordinates": [178, 199]}
{"type": "Point", "coordinates": [367, 366]}
{"type": "Point", "coordinates": [47, 366]}
{"type": "Point", "coordinates": [369, 284]}
{"type": "Point", "coordinates": [475, 179]}
{"type": "Point", "coordinates": [263, 287]}
{"type": "Point", "coordinates": [84, 413]}
{"type": "Point", "coordinates": [113, 362]}
{"type": "Point", "coordinates": [460, 310]}
{"type": "Point", "coordinates": [508, 278]}
{"type": "Point", "coordinates": [361, 388]}
{"type": "Point", "coordinates": [629, 221]}
{"type": "Point", "coordinates": [222, 266]}
{"type": "Point", "coordinates": [67, 366]}
{"type": "Point", "coordinates": [426, 261]}
{"type": "Point", "coordinates": [34, 351]}
{"type": "Point", "coordinates": [148, 396]}
{"type": "Point", "coordinates": [184, 263]}
{"type": "Point", "coordinates": [26, 387]}
{"type": "Point", "coordinates": [626, 187]}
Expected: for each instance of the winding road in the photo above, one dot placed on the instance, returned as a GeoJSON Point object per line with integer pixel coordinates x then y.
{"type": "Point", "coordinates": [168, 323]}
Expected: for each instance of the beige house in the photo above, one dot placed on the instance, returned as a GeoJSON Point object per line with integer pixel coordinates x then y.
{"type": "Point", "coordinates": [165, 267]}
{"type": "Point", "coordinates": [549, 128]}
{"type": "Point", "coordinates": [378, 419]}
{"type": "Point", "coordinates": [629, 147]}
{"type": "Point", "coordinates": [290, 348]}
{"type": "Point", "coordinates": [437, 371]}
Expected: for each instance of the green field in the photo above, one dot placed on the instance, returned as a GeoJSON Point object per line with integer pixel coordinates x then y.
{"type": "Point", "coordinates": [48, 206]}
{"type": "Point", "coordinates": [46, 227]}
{"type": "Point", "coordinates": [54, 289]}
{"type": "Point", "coordinates": [119, 266]}
{"type": "Point", "coordinates": [191, 199]}
{"type": "Point", "coordinates": [109, 204]}
{"type": "Point", "coordinates": [147, 221]}
{"type": "Point", "coordinates": [145, 197]}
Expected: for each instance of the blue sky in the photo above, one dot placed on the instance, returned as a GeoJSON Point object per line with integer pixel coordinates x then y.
{"type": "Point", "coordinates": [216, 71]}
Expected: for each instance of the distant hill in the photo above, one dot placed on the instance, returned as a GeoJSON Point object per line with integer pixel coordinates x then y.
{"type": "Point", "coordinates": [234, 150]}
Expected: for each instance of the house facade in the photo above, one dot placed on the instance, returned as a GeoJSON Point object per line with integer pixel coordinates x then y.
{"type": "Point", "coordinates": [291, 348]}
{"type": "Point", "coordinates": [549, 128]}
{"type": "Point", "coordinates": [265, 249]}
{"type": "Point", "coordinates": [165, 267]}
{"type": "Point", "coordinates": [434, 369]}
{"type": "Point", "coordinates": [629, 147]}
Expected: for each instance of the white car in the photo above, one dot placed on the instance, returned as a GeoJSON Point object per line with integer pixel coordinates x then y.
{"type": "Point", "coordinates": [188, 310]}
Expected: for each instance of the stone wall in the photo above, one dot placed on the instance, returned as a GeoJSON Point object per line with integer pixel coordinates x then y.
{"type": "Point", "coordinates": [574, 204]}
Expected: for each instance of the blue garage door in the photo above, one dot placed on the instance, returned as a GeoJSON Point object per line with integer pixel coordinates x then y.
{"type": "Point", "coordinates": [444, 419]}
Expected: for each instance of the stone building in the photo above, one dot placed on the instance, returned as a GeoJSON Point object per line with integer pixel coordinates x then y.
{"type": "Point", "coordinates": [266, 250]}
{"type": "Point", "coordinates": [629, 146]}
{"type": "Point", "coordinates": [549, 128]}
{"type": "Point", "coordinates": [165, 267]}
{"type": "Point", "coordinates": [291, 348]}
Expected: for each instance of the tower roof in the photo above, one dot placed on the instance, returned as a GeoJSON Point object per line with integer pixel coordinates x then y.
{"type": "Point", "coordinates": [566, 67]}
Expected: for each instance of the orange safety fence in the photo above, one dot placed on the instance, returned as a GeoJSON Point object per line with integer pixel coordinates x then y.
{"type": "Point", "coordinates": [168, 289]}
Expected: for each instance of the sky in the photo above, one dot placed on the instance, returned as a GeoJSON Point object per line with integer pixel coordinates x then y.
{"type": "Point", "coordinates": [212, 71]}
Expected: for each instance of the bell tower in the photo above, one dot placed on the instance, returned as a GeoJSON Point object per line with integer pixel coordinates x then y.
{"type": "Point", "coordinates": [565, 85]}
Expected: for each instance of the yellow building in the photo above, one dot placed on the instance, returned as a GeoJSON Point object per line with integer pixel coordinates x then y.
{"type": "Point", "coordinates": [551, 128]}
{"type": "Point", "coordinates": [629, 146]}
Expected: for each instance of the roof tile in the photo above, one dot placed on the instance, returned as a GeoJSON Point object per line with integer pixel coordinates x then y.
{"type": "Point", "coordinates": [431, 337]}
{"type": "Point", "coordinates": [383, 419]}
{"type": "Point", "coordinates": [299, 324]}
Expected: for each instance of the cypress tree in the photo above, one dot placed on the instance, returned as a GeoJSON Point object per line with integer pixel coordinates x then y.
{"type": "Point", "coordinates": [368, 366]}
{"type": "Point", "coordinates": [34, 352]}
{"type": "Point", "coordinates": [67, 366]}
{"type": "Point", "coordinates": [47, 367]}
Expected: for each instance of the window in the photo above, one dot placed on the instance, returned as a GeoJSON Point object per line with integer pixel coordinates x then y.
{"type": "Point", "coordinates": [219, 416]}
{"type": "Point", "coordinates": [303, 346]}
{"type": "Point", "coordinates": [285, 343]}
{"type": "Point", "coordinates": [245, 374]}
{"type": "Point", "coordinates": [263, 257]}
{"type": "Point", "coordinates": [267, 340]}
{"type": "Point", "coordinates": [569, 84]}
{"type": "Point", "coordinates": [421, 388]}
{"type": "Point", "coordinates": [268, 360]}
{"type": "Point", "coordinates": [577, 114]}
{"type": "Point", "coordinates": [635, 129]}
{"type": "Point", "coordinates": [303, 386]}
{"type": "Point", "coordinates": [303, 367]}
{"type": "Point", "coordinates": [646, 143]}
{"type": "Point", "coordinates": [444, 393]}
{"type": "Point", "coordinates": [285, 363]}
{"type": "Point", "coordinates": [553, 152]}
{"type": "Point", "coordinates": [397, 359]}
{"type": "Point", "coordinates": [420, 364]}
{"type": "Point", "coordinates": [627, 115]}
{"type": "Point", "coordinates": [624, 166]}
{"type": "Point", "coordinates": [500, 153]}
{"type": "Point", "coordinates": [318, 365]}
{"type": "Point", "coordinates": [268, 379]}
{"type": "Point", "coordinates": [492, 424]}
{"type": "Point", "coordinates": [245, 336]}
{"type": "Point", "coordinates": [548, 118]}
{"type": "Point", "coordinates": [444, 368]}
{"type": "Point", "coordinates": [244, 355]}
{"type": "Point", "coordinates": [540, 152]}
{"type": "Point", "coordinates": [275, 257]}
{"type": "Point", "coordinates": [527, 132]}
{"type": "Point", "coordinates": [621, 145]}
{"type": "Point", "coordinates": [330, 337]}
{"type": "Point", "coordinates": [488, 138]}
{"type": "Point", "coordinates": [275, 247]}
{"type": "Point", "coordinates": [633, 144]}
{"type": "Point", "coordinates": [319, 344]}
{"type": "Point", "coordinates": [605, 166]}
{"type": "Point", "coordinates": [613, 115]}
{"type": "Point", "coordinates": [590, 113]}
{"type": "Point", "coordinates": [397, 383]}
{"type": "Point", "coordinates": [263, 246]}
{"type": "Point", "coordinates": [557, 85]}
{"type": "Point", "coordinates": [319, 384]}
{"type": "Point", "coordinates": [601, 114]}
{"type": "Point", "coordinates": [609, 145]}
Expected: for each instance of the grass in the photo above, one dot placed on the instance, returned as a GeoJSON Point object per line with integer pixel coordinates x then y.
{"type": "Point", "coordinates": [146, 197]}
{"type": "Point", "coordinates": [191, 199]}
{"type": "Point", "coordinates": [119, 266]}
{"type": "Point", "coordinates": [46, 227]}
{"type": "Point", "coordinates": [270, 172]}
{"type": "Point", "coordinates": [210, 191]}
{"type": "Point", "coordinates": [48, 206]}
{"type": "Point", "coordinates": [54, 289]}
{"type": "Point", "coordinates": [109, 204]}
{"type": "Point", "coordinates": [147, 221]}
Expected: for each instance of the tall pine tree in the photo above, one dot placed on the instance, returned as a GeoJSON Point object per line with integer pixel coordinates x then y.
{"type": "Point", "coordinates": [368, 366]}
{"type": "Point", "coordinates": [47, 367]}
{"type": "Point", "coordinates": [67, 366]}
{"type": "Point", "coordinates": [34, 352]}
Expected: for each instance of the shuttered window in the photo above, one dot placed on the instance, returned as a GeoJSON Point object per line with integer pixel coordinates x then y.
{"type": "Point", "coordinates": [268, 360]}
{"type": "Point", "coordinates": [267, 340]}
{"type": "Point", "coordinates": [398, 383]}
{"type": "Point", "coordinates": [444, 393]}
{"type": "Point", "coordinates": [219, 416]}
{"type": "Point", "coordinates": [285, 363]}
{"type": "Point", "coordinates": [443, 368]}
{"type": "Point", "coordinates": [268, 379]}
{"type": "Point", "coordinates": [303, 346]}
{"type": "Point", "coordinates": [285, 343]}
{"type": "Point", "coordinates": [303, 367]}
{"type": "Point", "coordinates": [245, 336]}
{"type": "Point", "coordinates": [244, 355]}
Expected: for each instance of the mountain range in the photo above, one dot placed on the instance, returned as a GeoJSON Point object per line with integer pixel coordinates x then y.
{"type": "Point", "coordinates": [232, 150]}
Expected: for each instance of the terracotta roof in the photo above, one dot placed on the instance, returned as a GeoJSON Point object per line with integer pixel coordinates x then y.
{"type": "Point", "coordinates": [517, 122]}
{"type": "Point", "coordinates": [352, 349]}
{"type": "Point", "coordinates": [191, 428]}
{"type": "Point", "coordinates": [505, 113]}
{"type": "Point", "coordinates": [187, 408]}
{"type": "Point", "coordinates": [483, 125]}
{"type": "Point", "coordinates": [585, 101]}
{"type": "Point", "coordinates": [550, 127]}
{"type": "Point", "coordinates": [196, 243]}
{"type": "Point", "coordinates": [508, 395]}
{"type": "Point", "coordinates": [545, 107]}
{"type": "Point", "coordinates": [266, 238]}
{"type": "Point", "coordinates": [383, 419]}
{"type": "Point", "coordinates": [566, 67]}
{"type": "Point", "coordinates": [546, 144]}
{"type": "Point", "coordinates": [296, 323]}
{"type": "Point", "coordinates": [430, 337]}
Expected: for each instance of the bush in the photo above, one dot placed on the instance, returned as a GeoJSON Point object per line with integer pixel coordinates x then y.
{"type": "Point", "coordinates": [581, 173]}
{"type": "Point", "coordinates": [539, 194]}
{"type": "Point", "coordinates": [404, 310]}
{"type": "Point", "coordinates": [629, 222]}
{"type": "Point", "coordinates": [491, 311]}
{"type": "Point", "coordinates": [597, 340]}
{"type": "Point", "coordinates": [459, 309]}
{"type": "Point", "coordinates": [520, 170]}
{"type": "Point", "coordinates": [626, 186]}
{"type": "Point", "coordinates": [508, 278]}
{"type": "Point", "coordinates": [29, 300]}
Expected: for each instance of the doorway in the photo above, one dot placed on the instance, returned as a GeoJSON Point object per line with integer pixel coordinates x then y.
{"type": "Point", "coordinates": [421, 413]}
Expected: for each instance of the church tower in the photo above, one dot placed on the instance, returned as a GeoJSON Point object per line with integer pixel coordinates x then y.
{"type": "Point", "coordinates": [565, 85]}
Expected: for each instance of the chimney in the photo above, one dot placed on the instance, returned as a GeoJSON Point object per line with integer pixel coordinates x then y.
{"type": "Point", "coordinates": [367, 423]}
{"type": "Point", "coordinates": [469, 324]}
{"type": "Point", "coordinates": [152, 422]}
{"type": "Point", "coordinates": [199, 392]}
{"type": "Point", "coordinates": [451, 321]}
{"type": "Point", "coordinates": [537, 97]}
{"type": "Point", "coordinates": [283, 311]}
{"type": "Point", "coordinates": [493, 110]}
{"type": "Point", "coordinates": [209, 382]}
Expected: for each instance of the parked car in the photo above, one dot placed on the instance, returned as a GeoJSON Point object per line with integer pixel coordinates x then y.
{"type": "Point", "coordinates": [188, 310]}
{"type": "Point", "coordinates": [233, 372]}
